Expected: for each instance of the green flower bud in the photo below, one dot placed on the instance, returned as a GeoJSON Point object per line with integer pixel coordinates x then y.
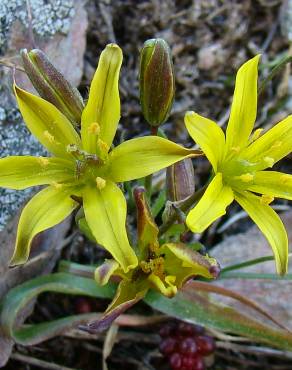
{"type": "Point", "coordinates": [52, 85]}
{"type": "Point", "coordinates": [180, 180]}
{"type": "Point", "coordinates": [156, 81]}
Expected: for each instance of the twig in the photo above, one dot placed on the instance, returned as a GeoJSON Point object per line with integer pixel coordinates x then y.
{"type": "Point", "coordinates": [40, 363]}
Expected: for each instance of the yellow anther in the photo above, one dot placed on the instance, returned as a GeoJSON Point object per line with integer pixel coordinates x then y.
{"type": "Point", "coordinates": [235, 149]}
{"type": "Point", "coordinates": [266, 199]}
{"type": "Point", "coordinates": [49, 136]}
{"type": "Point", "coordinates": [56, 185]}
{"type": "Point", "coordinates": [246, 177]}
{"type": "Point", "coordinates": [285, 178]}
{"type": "Point", "coordinates": [43, 161]}
{"type": "Point", "coordinates": [256, 134]}
{"type": "Point", "coordinates": [100, 183]}
{"type": "Point", "coordinates": [94, 129]}
{"type": "Point", "coordinates": [277, 144]}
{"type": "Point", "coordinates": [269, 161]}
{"type": "Point", "coordinates": [104, 148]}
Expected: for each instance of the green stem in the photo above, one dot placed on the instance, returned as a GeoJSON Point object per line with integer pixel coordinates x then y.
{"type": "Point", "coordinates": [148, 179]}
{"type": "Point", "coordinates": [273, 72]}
{"type": "Point", "coordinates": [184, 206]}
{"type": "Point", "coordinates": [247, 263]}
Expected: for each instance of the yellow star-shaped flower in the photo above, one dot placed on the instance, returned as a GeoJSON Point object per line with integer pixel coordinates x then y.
{"type": "Point", "coordinates": [239, 160]}
{"type": "Point", "coordinates": [82, 165]}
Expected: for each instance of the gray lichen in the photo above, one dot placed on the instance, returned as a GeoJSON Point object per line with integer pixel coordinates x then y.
{"type": "Point", "coordinates": [48, 17]}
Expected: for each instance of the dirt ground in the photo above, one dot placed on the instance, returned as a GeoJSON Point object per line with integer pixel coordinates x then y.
{"type": "Point", "coordinates": [209, 39]}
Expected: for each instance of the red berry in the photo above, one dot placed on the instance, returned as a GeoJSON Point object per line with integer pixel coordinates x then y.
{"type": "Point", "coordinates": [205, 344]}
{"type": "Point", "coordinates": [188, 362]}
{"type": "Point", "coordinates": [188, 346]}
{"type": "Point", "coordinates": [186, 329]}
{"type": "Point", "coordinates": [167, 346]}
{"type": "Point", "coordinates": [198, 364]}
{"type": "Point", "coordinates": [175, 361]}
{"type": "Point", "coordinates": [167, 330]}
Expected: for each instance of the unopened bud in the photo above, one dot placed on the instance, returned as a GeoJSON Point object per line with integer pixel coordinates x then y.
{"type": "Point", "coordinates": [156, 81]}
{"type": "Point", "coordinates": [180, 180]}
{"type": "Point", "coordinates": [52, 85]}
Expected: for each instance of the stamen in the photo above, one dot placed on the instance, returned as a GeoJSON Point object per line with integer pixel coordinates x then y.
{"type": "Point", "coordinates": [235, 149]}
{"type": "Point", "coordinates": [49, 136]}
{"type": "Point", "coordinates": [104, 148]}
{"type": "Point", "coordinates": [246, 177]}
{"type": "Point", "coordinates": [56, 185]}
{"type": "Point", "coordinates": [266, 199]}
{"type": "Point", "coordinates": [94, 129]}
{"type": "Point", "coordinates": [285, 178]}
{"type": "Point", "coordinates": [269, 161]}
{"type": "Point", "coordinates": [100, 183]}
{"type": "Point", "coordinates": [43, 161]}
{"type": "Point", "coordinates": [277, 144]}
{"type": "Point", "coordinates": [256, 134]}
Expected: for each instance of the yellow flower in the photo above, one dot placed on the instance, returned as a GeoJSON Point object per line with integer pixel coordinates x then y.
{"type": "Point", "coordinates": [239, 160]}
{"type": "Point", "coordinates": [164, 268]}
{"type": "Point", "coordinates": [83, 166]}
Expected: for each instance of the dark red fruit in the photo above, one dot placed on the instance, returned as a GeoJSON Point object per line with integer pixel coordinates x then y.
{"type": "Point", "coordinates": [198, 364]}
{"type": "Point", "coordinates": [167, 346]}
{"type": "Point", "coordinates": [175, 361]}
{"type": "Point", "coordinates": [188, 346]}
{"type": "Point", "coordinates": [167, 330]}
{"type": "Point", "coordinates": [186, 329]}
{"type": "Point", "coordinates": [205, 345]}
{"type": "Point", "coordinates": [188, 362]}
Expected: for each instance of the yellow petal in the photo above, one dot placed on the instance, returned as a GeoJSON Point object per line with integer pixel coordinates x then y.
{"type": "Point", "coordinates": [244, 105]}
{"type": "Point", "coordinates": [126, 296]}
{"type": "Point", "coordinates": [274, 145]}
{"type": "Point", "coordinates": [105, 211]}
{"type": "Point", "coordinates": [105, 271]}
{"type": "Point", "coordinates": [46, 123]}
{"type": "Point", "coordinates": [272, 183]}
{"type": "Point", "coordinates": [142, 156]}
{"type": "Point", "coordinates": [208, 135]}
{"type": "Point", "coordinates": [270, 225]}
{"type": "Point", "coordinates": [166, 287]}
{"type": "Point", "coordinates": [211, 206]}
{"type": "Point", "coordinates": [103, 106]}
{"type": "Point", "coordinates": [23, 172]}
{"type": "Point", "coordinates": [46, 209]}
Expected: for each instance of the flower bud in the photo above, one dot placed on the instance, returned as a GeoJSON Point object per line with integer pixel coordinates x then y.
{"type": "Point", "coordinates": [52, 85]}
{"type": "Point", "coordinates": [180, 180]}
{"type": "Point", "coordinates": [156, 81]}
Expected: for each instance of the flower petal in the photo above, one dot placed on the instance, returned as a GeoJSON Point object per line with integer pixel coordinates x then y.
{"type": "Point", "coordinates": [147, 228]}
{"type": "Point", "coordinates": [103, 106]}
{"type": "Point", "coordinates": [128, 293]}
{"type": "Point", "coordinates": [275, 184]}
{"type": "Point", "coordinates": [211, 206]}
{"type": "Point", "coordinates": [23, 172]}
{"type": "Point", "coordinates": [208, 135]}
{"type": "Point", "coordinates": [270, 225]}
{"type": "Point", "coordinates": [105, 271]}
{"type": "Point", "coordinates": [167, 286]}
{"type": "Point", "coordinates": [46, 209]}
{"type": "Point", "coordinates": [46, 123]}
{"type": "Point", "coordinates": [140, 157]}
{"type": "Point", "coordinates": [274, 145]}
{"type": "Point", "coordinates": [105, 211]}
{"type": "Point", "coordinates": [244, 105]}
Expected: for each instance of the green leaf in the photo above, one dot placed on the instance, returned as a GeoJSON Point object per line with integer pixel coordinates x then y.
{"type": "Point", "coordinates": [20, 296]}
{"type": "Point", "coordinates": [198, 308]}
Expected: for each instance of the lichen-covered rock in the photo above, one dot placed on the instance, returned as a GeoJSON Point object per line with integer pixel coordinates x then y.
{"type": "Point", "coordinates": [59, 29]}
{"type": "Point", "coordinates": [48, 17]}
